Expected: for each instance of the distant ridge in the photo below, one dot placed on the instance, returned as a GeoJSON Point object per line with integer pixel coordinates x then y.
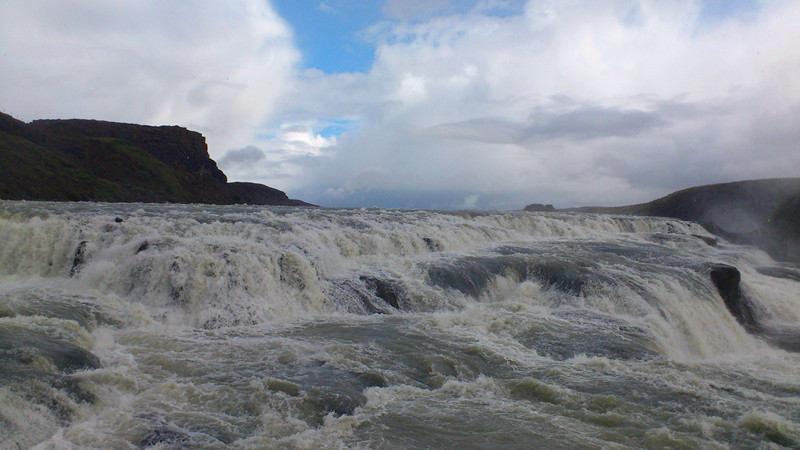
{"type": "Point", "coordinates": [92, 160]}
{"type": "Point", "coordinates": [739, 206]}
{"type": "Point", "coordinates": [765, 212]}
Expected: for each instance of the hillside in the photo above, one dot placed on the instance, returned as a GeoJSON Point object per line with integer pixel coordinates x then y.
{"type": "Point", "coordinates": [736, 207]}
{"type": "Point", "coordinates": [90, 160]}
{"type": "Point", "coordinates": [765, 213]}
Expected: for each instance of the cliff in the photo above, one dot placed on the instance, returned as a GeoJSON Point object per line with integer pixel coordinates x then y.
{"type": "Point", "coordinates": [74, 160]}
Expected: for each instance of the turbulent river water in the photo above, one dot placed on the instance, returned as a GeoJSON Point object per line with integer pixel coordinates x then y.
{"type": "Point", "coordinates": [138, 325]}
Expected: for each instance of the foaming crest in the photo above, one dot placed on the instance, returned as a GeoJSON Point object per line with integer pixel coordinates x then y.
{"type": "Point", "coordinates": [219, 266]}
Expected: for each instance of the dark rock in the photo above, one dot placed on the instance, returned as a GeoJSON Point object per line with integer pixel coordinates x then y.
{"type": "Point", "coordinates": [726, 279]}
{"type": "Point", "coordinates": [21, 346]}
{"type": "Point", "coordinates": [385, 290]}
{"type": "Point", "coordinates": [118, 219]}
{"type": "Point", "coordinates": [538, 207]}
{"type": "Point", "coordinates": [432, 245]}
{"type": "Point", "coordinates": [78, 259]}
{"type": "Point", "coordinates": [370, 379]}
{"type": "Point", "coordinates": [258, 194]}
{"type": "Point", "coordinates": [142, 247]}
{"type": "Point", "coordinates": [470, 276]}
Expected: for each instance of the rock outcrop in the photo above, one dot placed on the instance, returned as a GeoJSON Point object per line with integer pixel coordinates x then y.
{"type": "Point", "coordinates": [726, 279]}
{"type": "Point", "coordinates": [92, 160]}
{"type": "Point", "coordinates": [538, 207]}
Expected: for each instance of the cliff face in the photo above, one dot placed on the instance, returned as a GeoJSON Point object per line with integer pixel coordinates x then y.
{"type": "Point", "coordinates": [106, 161]}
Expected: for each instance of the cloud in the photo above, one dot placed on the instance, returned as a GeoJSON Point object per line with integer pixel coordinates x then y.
{"type": "Point", "coordinates": [569, 103]}
{"type": "Point", "coordinates": [241, 157]}
{"type": "Point", "coordinates": [216, 67]}
{"type": "Point", "coordinates": [581, 124]}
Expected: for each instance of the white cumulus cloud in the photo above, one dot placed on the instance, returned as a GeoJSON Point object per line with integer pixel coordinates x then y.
{"type": "Point", "coordinates": [215, 67]}
{"type": "Point", "coordinates": [572, 103]}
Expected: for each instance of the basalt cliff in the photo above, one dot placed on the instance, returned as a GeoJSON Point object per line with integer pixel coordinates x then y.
{"type": "Point", "coordinates": [91, 160]}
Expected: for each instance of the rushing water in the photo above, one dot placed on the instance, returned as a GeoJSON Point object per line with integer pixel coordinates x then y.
{"type": "Point", "coordinates": [126, 326]}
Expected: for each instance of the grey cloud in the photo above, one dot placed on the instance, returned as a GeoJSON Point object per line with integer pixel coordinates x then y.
{"type": "Point", "coordinates": [241, 157]}
{"type": "Point", "coordinates": [489, 130]}
{"type": "Point", "coordinates": [593, 123]}
{"type": "Point", "coordinates": [583, 124]}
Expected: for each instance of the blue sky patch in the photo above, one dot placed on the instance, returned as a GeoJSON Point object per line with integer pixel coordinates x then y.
{"type": "Point", "coordinates": [336, 127]}
{"type": "Point", "coordinates": [714, 10]}
{"type": "Point", "coordinates": [328, 32]}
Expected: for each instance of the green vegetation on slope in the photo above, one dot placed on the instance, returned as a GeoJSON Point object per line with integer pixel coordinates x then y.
{"type": "Point", "coordinates": [88, 160]}
{"type": "Point", "coordinates": [104, 170]}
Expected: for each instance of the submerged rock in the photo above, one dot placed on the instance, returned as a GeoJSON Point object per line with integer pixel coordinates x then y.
{"type": "Point", "coordinates": [19, 345]}
{"type": "Point", "coordinates": [431, 244]}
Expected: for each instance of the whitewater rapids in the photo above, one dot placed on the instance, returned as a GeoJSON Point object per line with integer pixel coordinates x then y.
{"type": "Point", "coordinates": [141, 325]}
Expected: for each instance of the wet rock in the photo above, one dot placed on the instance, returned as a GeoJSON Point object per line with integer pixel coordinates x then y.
{"type": "Point", "coordinates": [432, 245]}
{"type": "Point", "coordinates": [726, 279]}
{"type": "Point", "coordinates": [287, 387]}
{"type": "Point", "coordinates": [142, 247]}
{"type": "Point", "coordinates": [22, 346]}
{"type": "Point", "coordinates": [78, 259]}
{"type": "Point", "coordinates": [371, 379]}
{"type": "Point", "coordinates": [118, 219]}
{"type": "Point", "coordinates": [470, 276]}
{"type": "Point", "coordinates": [387, 291]}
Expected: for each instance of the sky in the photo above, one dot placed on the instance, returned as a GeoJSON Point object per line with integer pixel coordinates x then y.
{"type": "Point", "coordinates": [442, 104]}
